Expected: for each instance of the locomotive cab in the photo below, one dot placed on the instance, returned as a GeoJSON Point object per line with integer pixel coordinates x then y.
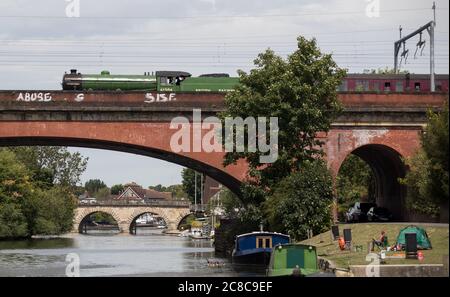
{"type": "Point", "coordinates": [171, 80]}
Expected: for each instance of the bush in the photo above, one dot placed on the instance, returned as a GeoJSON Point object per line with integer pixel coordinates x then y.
{"type": "Point", "coordinates": [302, 202]}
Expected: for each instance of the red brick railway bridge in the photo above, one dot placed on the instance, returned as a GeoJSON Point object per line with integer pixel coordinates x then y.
{"type": "Point", "coordinates": [380, 128]}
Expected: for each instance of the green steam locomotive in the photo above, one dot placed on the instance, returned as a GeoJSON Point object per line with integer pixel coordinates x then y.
{"type": "Point", "coordinates": [161, 81]}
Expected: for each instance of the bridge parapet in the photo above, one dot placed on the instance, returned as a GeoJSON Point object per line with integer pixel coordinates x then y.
{"type": "Point", "coordinates": [112, 203]}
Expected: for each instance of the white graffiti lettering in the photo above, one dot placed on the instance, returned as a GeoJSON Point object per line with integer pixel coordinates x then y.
{"type": "Point", "coordinates": [79, 98]}
{"type": "Point", "coordinates": [32, 97]}
{"type": "Point", "coordinates": [151, 98]}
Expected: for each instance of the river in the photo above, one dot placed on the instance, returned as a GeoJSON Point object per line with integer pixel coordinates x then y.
{"type": "Point", "coordinates": [146, 254]}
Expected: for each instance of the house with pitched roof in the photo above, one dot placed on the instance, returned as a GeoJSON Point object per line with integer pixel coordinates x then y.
{"type": "Point", "coordinates": [135, 192]}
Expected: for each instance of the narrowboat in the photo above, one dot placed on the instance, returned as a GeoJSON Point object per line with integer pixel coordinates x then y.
{"type": "Point", "coordinates": [255, 248]}
{"type": "Point", "coordinates": [293, 260]}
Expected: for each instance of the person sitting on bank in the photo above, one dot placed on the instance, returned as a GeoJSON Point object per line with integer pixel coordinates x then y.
{"type": "Point", "coordinates": [381, 242]}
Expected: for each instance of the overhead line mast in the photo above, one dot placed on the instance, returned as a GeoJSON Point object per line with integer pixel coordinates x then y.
{"type": "Point", "coordinates": [429, 27]}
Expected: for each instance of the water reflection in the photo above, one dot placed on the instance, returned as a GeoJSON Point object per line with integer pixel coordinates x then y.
{"type": "Point", "coordinates": [149, 254]}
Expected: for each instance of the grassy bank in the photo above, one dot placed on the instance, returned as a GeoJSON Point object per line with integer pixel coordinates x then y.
{"type": "Point", "coordinates": [364, 232]}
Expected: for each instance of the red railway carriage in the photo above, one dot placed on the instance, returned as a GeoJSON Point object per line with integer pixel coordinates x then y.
{"type": "Point", "coordinates": [400, 83]}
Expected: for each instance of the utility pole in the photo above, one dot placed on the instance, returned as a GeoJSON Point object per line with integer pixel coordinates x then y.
{"type": "Point", "coordinates": [429, 27]}
{"type": "Point", "coordinates": [431, 32]}
{"type": "Point", "coordinates": [195, 194]}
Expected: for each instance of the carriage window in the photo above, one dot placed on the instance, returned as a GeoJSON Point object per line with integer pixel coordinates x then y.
{"type": "Point", "coordinates": [268, 243]}
{"type": "Point", "coordinates": [344, 86]}
{"type": "Point", "coordinates": [399, 86]}
{"type": "Point", "coordinates": [387, 86]}
{"type": "Point", "coordinates": [438, 86]}
{"type": "Point", "coordinates": [417, 86]}
{"type": "Point", "coordinates": [359, 86]}
{"type": "Point", "coordinates": [376, 86]}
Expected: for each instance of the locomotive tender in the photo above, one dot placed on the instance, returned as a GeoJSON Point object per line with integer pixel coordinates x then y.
{"type": "Point", "coordinates": [179, 81]}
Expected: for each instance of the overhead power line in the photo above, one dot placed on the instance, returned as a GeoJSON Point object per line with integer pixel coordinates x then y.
{"type": "Point", "coordinates": [315, 13]}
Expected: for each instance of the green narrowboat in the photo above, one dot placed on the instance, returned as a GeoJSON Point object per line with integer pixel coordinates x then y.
{"type": "Point", "coordinates": [293, 260]}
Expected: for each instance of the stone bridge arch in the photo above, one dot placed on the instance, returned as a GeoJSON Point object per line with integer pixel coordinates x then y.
{"type": "Point", "coordinates": [125, 215]}
{"type": "Point", "coordinates": [82, 213]}
{"type": "Point", "coordinates": [170, 216]}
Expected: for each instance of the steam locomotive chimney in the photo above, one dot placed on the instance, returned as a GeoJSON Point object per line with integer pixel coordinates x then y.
{"type": "Point", "coordinates": [73, 71]}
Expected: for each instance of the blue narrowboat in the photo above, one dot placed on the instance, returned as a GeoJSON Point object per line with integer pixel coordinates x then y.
{"type": "Point", "coordinates": [255, 248]}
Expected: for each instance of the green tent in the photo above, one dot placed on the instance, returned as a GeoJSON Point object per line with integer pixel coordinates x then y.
{"type": "Point", "coordinates": [423, 242]}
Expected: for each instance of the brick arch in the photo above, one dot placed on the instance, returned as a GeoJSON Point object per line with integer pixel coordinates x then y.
{"type": "Point", "coordinates": [373, 145]}
{"type": "Point", "coordinates": [148, 139]}
{"type": "Point", "coordinates": [387, 167]}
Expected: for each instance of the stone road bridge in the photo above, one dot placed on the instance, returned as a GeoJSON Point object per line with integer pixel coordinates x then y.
{"type": "Point", "coordinates": [173, 212]}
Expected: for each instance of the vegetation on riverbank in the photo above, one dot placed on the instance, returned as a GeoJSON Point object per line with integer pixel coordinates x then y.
{"type": "Point", "coordinates": [364, 232]}
{"type": "Point", "coordinates": [36, 190]}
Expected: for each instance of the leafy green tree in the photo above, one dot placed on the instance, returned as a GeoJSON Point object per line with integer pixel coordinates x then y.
{"type": "Point", "coordinates": [92, 186]}
{"type": "Point", "coordinates": [230, 203]}
{"type": "Point", "coordinates": [159, 188]}
{"type": "Point", "coordinates": [301, 201]}
{"type": "Point", "coordinates": [102, 194]}
{"type": "Point", "coordinates": [177, 191]}
{"type": "Point", "coordinates": [28, 204]}
{"type": "Point", "coordinates": [16, 188]}
{"type": "Point", "coordinates": [117, 189]}
{"type": "Point", "coordinates": [301, 92]}
{"type": "Point", "coordinates": [427, 179]}
{"type": "Point", "coordinates": [54, 211]}
{"type": "Point", "coordinates": [13, 223]}
{"type": "Point", "coordinates": [52, 165]}
{"type": "Point", "coordinates": [188, 176]}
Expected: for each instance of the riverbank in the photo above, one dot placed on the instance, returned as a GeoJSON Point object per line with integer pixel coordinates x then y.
{"type": "Point", "coordinates": [364, 232]}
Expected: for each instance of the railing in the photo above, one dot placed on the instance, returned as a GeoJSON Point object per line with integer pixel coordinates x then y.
{"type": "Point", "coordinates": [198, 207]}
{"type": "Point", "coordinates": [131, 203]}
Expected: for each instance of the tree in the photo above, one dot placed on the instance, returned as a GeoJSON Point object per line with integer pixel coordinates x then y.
{"type": "Point", "coordinates": [301, 92]}
{"type": "Point", "coordinates": [92, 186]}
{"type": "Point", "coordinates": [52, 165]}
{"type": "Point", "coordinates": [230, 203]}
{"type": "Point", "coordinates": [29, 206]}
{"type": "Point", "coordinates": [354, 181]}
{"type": "Point", "coordinates": [102, 193]}
{"type": "Point", "coordinates": [117, 189]}
{"type": "Point", "coordinates": [54, 210]}
{"type": "Point", "coordinates": [302, 201]}
{"type": "Point", "coordinates": [188, 176]}
{"type": "Point", "coordinates": [427, 179]}
{"type": "Point", "coordinates": [177, 191]}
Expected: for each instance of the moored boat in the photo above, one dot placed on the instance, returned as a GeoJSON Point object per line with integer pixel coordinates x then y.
{"type": "Point", "coordinates": [255, 248]}
{"type": "Point", "coordinates": [293, 260]}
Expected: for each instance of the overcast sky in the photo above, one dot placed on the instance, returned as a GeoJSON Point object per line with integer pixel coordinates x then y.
{"type": "Point", "coordinates": [38, 43]}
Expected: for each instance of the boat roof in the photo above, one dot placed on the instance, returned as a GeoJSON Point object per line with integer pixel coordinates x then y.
{"type": "Point", "coordinates": [288, 245]}
{"type": "Point", "coordinates": [262, 233]}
